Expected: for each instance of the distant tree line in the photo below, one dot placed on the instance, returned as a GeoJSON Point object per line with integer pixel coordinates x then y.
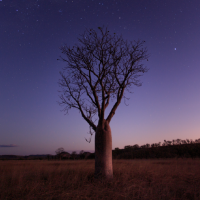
{"type": "Point", "coordinates": [169, 149]}
{"type": "Point", "coordinates": [165, 143]}
{"type": "Point", "coordinates": [61, 154]}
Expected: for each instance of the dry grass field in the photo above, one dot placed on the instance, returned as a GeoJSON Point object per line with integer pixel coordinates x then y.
{"type": "Point", "coordinates": [133, 179]}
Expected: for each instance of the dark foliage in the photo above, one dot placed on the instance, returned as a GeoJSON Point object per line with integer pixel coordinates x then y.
{"type": "Point", "coordinates": [171, 151]}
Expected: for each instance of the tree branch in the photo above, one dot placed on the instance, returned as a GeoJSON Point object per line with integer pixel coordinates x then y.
{"type": "Point", "coordinates": [102, 66]}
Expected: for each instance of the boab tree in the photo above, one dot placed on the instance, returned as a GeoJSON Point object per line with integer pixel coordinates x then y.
{"type": "Point", "coordinates": [101, 66]}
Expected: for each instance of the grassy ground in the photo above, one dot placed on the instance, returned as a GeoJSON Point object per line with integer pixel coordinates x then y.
{"type": "Point", "coordinates": [133, 179]}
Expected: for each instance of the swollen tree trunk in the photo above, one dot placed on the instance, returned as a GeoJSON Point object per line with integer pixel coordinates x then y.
{"type": "Point", "coordinates": [103, 151]}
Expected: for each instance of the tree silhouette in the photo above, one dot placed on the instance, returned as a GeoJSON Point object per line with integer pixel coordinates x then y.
{"type": "Point", "coordinates": [100, 68]}
{"type": "Point", "coordinates": [59, 150]}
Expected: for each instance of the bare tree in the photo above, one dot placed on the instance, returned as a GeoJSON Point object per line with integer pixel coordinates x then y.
{"type": "Point", "coordinates": [59, 150]}
{"type": "Point", "coordinates": [100, 68]}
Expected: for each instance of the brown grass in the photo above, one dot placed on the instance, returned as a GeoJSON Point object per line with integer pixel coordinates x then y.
{"type": "Point", "coordinates": [133, 179]}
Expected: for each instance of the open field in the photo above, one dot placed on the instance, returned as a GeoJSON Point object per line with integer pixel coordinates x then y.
{"type": "Point", "coordinates": [133, 179]}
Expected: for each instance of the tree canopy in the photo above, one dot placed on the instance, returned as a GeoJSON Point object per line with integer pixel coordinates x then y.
{"type": "Point", "coordinates": [99, 69]}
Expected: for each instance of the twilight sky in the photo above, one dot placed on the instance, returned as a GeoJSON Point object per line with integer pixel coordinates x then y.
{"type": "Point", "coordinates": [166, 106]}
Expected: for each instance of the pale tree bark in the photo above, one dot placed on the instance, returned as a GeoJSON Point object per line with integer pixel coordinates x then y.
{"type": "Point", "coordinates": [103, 151]}
{"type": "Point", "coordinates": [102, 66]}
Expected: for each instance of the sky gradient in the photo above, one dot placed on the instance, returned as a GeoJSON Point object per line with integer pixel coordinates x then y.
{"type": "Point", "coordinates": [165, 107]}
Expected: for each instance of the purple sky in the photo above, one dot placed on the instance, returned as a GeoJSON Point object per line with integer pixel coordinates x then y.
{"type": "Point", "coordinates": [167, 106]}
